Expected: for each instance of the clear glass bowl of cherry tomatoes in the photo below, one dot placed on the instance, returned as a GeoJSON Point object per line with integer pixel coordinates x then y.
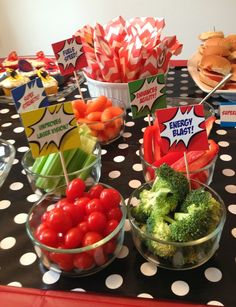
{"type": "Point", "coordinates": [78, 230]}
{"type": "Point", "coordinates": [104, 116]}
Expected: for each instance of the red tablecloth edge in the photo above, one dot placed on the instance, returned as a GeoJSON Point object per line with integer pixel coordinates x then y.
{"type": "Point", "coordinates": [27, 297]}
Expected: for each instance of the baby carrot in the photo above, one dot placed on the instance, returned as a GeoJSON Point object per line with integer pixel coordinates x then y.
{"type": "Point", "coordinates": [79, 106]}
{"type": "Point", "coordinates": [94, 116]}
{"type": "Point", "coordinates": [95, 105]}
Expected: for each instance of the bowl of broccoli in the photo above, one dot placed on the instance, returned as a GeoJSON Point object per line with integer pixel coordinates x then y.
{"type": "Point", "coordinates": [173, 226]}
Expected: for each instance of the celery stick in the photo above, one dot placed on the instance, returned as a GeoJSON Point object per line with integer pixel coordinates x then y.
{"type": "Point", "coordinates": [38, 164]}
{"type": "Point", "coordinates": [90, 159]}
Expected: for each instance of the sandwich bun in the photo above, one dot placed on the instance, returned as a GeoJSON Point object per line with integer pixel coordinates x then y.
{"type": "Point", "coordinates": [215, 50]}
{"type": "Point", "coordinates": [231, 84]}
{"type": "Point", "coordinates": [215, 63]}
{"type": "Point", "coordinates": [210, 34]}
{"type": "Point", "coordinates": [217, 41]}
{"type": "Point", "coordinates": [231, 38]}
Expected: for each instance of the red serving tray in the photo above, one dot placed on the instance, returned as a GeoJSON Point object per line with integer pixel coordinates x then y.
{"type": "Point", "coordinates": [26, 297]}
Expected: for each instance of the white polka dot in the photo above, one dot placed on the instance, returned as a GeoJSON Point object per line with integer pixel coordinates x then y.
{"type": "Point", "coordinates": [130, 114]}
{"type": "Point", "coordinates": [183, 95]}
{"type": "Point", "coordinates": [198, 91]}
{"type": "Point", "coordinates": [148, 269]}
{"type": "Point", "coordinates": [129, 124]}
{"type": "Point", "coordinates": [134, 183]}
{"type": "Point", "coordinates": [225, 157]}
{"type": "Point", "coordinates": [184, 75]}
{"type": "Point", "coordinates": [50, 277]}
{"type": "Point", "coordinates": [11, 141]}
{"type": "Point", "coordinates": [137, 167]}
{"type": "Point", "coordinates": [170, 78]}
{"type": "Point", "coordinates": [28, 258]}
{"type": "Point", "coordinates": [83, 89]}
{"type": "Point", "coordinates": [145, 295]}
{"type": "Point", "coordinates": [137, 153]}
{"type": "Point", "coordinates": [23, 149]}
{"type": "Point", "coordinates": [127, 225]}
{"type": "Point", "coordinates": [123, 146]}
{"type": "Point", "coordinates": [20, 218]}
{"type": "Point", "coordinates": [213, 274]}
{"type": "Point", "coordinates": [6, 125]}
{"type": "Point", "coordinates": [15, 116]}
{"type": "Point", "coordinates": [23, 172]}
{"type": "Point", "coordinates": [124, 252]}
{"type": "Point", "coordinates": [15, 161]}
{"type": "Point", "coordinates": [231, 188]}
{"type": "Point", "coordinates": [16, 186]}
{"type": "Point", "coordinates": [228, 172]}
{"type": "Point", "coordinates": [61, 99]}
{"type": "Point", "coordinates": [4, 111]}
{"type": "Point", "coordinates": [4, 204]}
{"type": "Point", "coordinates": [140, 141]}
{"type": "Point", "coordinates": [221, 132]}
{"type": "Point", "coordinates": [217, 121]}
{"type": "Point", "coordinates": [127, 134]}
{"type": "Point", "coordinates": [232, 208]}
{"type": "Point", "coordinates": [103, 152]}
{"type": "Point", "coordinates": [7, 243]}
{"type": "Point", "coordinates": [184, 81]}
{"type": "Point", "coordinates": [77, 96]}
{"type": "Point", "coordinates": [215, 303]}
{"type": "Point", "coordinates": [180, 288]}
{"type": "Point", "coordinates": [171, 73]}
{"type": "Point", "coordinates": [169, 92]}
{"type": "Point", "coordinates": [114, 174]}
{"type": "Point", "coordinates": [183, 88]}
{"type": "Point", "coordinates": [233, 232]}
{"type": "Point", "coordinates": [33, 198]}
{"type": "Point", "coordinates": [15, 284]}
{"type": "Point", "coordinates": [78, 290]}
{"type": "Point", "coordinates": [223, 144]}
{"type": "Point", "coordinates": [18, 130]}
{"type": "Point", "coordinates": [169, 84]}
{"type": "Point", "coordinates": [119, 159]}
{"type": "Point", "coordinates": [114, 281]}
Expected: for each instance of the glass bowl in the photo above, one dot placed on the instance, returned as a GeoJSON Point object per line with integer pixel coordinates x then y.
{"type": "Point", "coordinates": [106, 130]}
{"type": "Point", "coordinates": [181, 255]}
{"type": "Point", "coordinates": [202, 175]}
{"type": "Point", "coordinates": [7, 155]}
{"type": "Point", "coordinates": [95, 257]}
{"type": "Point", "coordinates": [41, 184]}
{"type": "Point", "coordinates": [185, 101]}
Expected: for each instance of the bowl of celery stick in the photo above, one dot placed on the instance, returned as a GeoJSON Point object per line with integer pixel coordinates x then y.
{"type": "Point", "coordinates": [45, 173]}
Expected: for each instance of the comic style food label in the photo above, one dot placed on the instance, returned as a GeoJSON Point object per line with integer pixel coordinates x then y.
{"type": "Point", "coordinates": [228, 114]}
{"type": "Point", "coordinates": [69, 55]}
{"type": "Point", "coordinates": [183, 128]}
{"type": "Point", "coordinates": [147, 95]}
{"type": "Point", "coordinates": [51, 129]}
{"type": "Point", "coordinates": [30, 96]}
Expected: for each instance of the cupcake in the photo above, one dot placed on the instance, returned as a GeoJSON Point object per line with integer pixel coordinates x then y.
{"type": "Point", "coordinates": [49, 83]}
{"type": "Point", "coordinates": [12, 81]}
{"type": "Point", "coordinates": [11, 61]}
{"type": "Point", "coordinates": [39, 61]}
{"type": "Point", "coordinates": [26, 69]}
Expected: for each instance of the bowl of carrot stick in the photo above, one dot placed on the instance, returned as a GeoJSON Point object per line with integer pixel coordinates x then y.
{"type": "Point", "coordinates": [104, 116]}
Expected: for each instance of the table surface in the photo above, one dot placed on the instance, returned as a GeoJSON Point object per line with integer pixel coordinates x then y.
{"type": "Point", "coordinates": [130, 274]}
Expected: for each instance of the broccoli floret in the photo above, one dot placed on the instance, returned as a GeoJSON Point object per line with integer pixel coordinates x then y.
{"type": "Point", "coordinates": [158, 228]}
{"type": "Point", "coordinates": [200, 215]}
{"type": "Point", "coordinates": [170, 179]}
{"type": "Point", "coordinates": [192, 225]}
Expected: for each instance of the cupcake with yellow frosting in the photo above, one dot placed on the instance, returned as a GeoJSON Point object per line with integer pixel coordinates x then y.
{"type": "Point", "coordinates": [49, 83]}
{"type": "Point", "coordinates": [12, 81]}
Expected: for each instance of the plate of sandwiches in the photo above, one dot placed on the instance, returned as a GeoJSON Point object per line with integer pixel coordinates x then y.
{"type": "Point", "coordinates": [214, 59]}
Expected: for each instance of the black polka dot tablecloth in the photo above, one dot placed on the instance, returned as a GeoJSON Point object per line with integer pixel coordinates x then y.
{"type": "Point", "coordinates": [213, 283]}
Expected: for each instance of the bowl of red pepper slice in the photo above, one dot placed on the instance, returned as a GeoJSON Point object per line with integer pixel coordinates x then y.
{"type": "Point", "coordinates": [201, 163]}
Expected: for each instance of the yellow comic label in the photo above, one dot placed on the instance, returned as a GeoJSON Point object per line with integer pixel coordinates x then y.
{"type": "Point", "coordinates": [51, 129]}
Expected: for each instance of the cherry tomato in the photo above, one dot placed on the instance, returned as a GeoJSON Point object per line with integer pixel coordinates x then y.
{"type": "Point", "coordinates": [83, 227]}
{"type": "Point", "coordinates": [111, 225]}
{"type": "Point", "coordinates": [99, 256]}
{"type": "Point", "coordinates": [83, 261]}
{"type": "Point", "coordinates": [48, 237]}
{"type": "Point", "coordinates": [64, 261]}
{"type": "Point", "coordinates": [59, 220]}
{"type": "Point", "coordinates": [80, 205]}
{"type": "Point", "coordinates": [40, 228]}
{"type": "Point", "coordinates": [114, 214]}
{"type": "Point", "coordinates": [95, 190]}
{"type": "Point", "coordinates": [110, 198]}
{"type": "Point", "coordinates": [110, 246]}
{"type": "Point", "coordinates": [97, 221]}
{"type": "Point", "coordinates": [94, 204]}
{"type": "Point", "coordinates": [75, 189]}
{"type": "Point", "coordinates": [44, 216]}
{"type": "Point", "coordinates": [73, 238]}
{"type": "Point", "coordinates": [90, 238]}
{"type": "Point", "coordinates": [62, 202]}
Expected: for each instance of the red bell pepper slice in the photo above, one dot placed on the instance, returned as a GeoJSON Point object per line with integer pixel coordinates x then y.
{"type": "Point", "coordinates": [209, 124]}
{"type": "Point", "coordinates": [151, 147]}
{"type": "Point", "coordinates": [169, 158]}
{"type": "Point", "coordinates": [180, 166]}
